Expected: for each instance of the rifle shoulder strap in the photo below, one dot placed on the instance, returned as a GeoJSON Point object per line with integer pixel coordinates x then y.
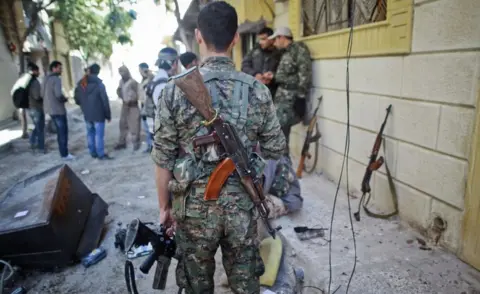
{"type": "Point", "coordinates": [393, 191]}
{"type": "Point", "coordinates": [243, 83]}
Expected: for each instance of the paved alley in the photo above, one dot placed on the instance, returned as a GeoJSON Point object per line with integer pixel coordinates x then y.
{"type": "Point", "coordinates": [389, 259]}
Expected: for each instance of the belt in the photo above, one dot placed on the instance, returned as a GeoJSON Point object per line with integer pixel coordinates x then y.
{"type": "Point", "coordinates": [200, 188]}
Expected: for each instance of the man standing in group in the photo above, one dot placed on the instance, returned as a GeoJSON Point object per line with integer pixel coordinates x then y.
{"type": "Point", "coordinates": [262, 59]}
{"type": "Point", "coordinates": [229, 221]}
{"type": "Point", "coordinates": [128, 90]}
{"type": "Point", "coordinates": [54, 105]}
{"type": "Point", "coordinates": [188, 60]}
{"type": "Point", "coordinates": [92, 97]}
{"type": "Point", "coordinates": [293, 77]}
{"type": "Point", "coordinates": [167, 63]}
{"type": "Point", "coordinates": [35, 102]}
{"type": "Point", "coordinates": [146, 103]}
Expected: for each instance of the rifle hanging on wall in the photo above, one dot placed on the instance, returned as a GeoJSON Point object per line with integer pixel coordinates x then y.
{"type": "Point", "coordinates": [373, 165]}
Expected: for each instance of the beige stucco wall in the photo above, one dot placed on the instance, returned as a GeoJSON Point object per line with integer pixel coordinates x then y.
{"type": "Point", "coordinates": [8, 76]}
{"type": "Point", "coordinates": [433, 92]}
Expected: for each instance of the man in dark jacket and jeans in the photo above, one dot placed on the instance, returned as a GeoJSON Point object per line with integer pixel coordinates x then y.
{"type": "Point", "coordinates": [37, 137]}
{"type": "Point", "coordinates": [54, 105]}
{"type": "Point", "coordinates": [93, 100]}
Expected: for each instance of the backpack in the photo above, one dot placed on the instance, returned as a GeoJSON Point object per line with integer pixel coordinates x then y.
{"type": "Point", "coordinates": [20, 91]}
{"type": "Point", "coordinates": [150, 87]}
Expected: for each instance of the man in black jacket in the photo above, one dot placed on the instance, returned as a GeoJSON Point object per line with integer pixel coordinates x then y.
{"type": "Point", "coordinates": [95, 105]}
{"type": "Point", "coordinates": [262, 59]}
{"type": "Point", "coordinates": [35, 111]}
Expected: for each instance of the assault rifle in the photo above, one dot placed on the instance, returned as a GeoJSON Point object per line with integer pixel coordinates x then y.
{"type": "Point", "coordinates": [235, 157]}
{"type": "Point", "coordinates": [373, 165]}
{"type": "Point", "coordinates": [138, 234]}
{"type": "Point", "coordinates": [310, 138]}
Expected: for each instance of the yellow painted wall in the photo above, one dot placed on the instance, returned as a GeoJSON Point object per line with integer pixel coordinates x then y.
{"type": "Point", "coordinates": [430, 82]}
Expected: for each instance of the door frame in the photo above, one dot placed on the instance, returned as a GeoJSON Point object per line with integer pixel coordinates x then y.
{"type": "Point", "coordinates": [471, 217]}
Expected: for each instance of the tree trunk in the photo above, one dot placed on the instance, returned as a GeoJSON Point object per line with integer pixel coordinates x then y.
{"type": "Point", "coordinates": [181, 30]}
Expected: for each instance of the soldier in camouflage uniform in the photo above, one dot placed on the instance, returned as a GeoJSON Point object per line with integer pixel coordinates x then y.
{"type": "Point", "coordinates": [293, 77]}
{"type": "Point", "coordinates": [262, 59]}
{"type": "Point", "coordinates": [201, 226]}
{"type": "Point", "coordinates": [283, 188]}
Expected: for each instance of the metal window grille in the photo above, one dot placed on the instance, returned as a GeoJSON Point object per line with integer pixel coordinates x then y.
{"type": "Point", "coordinates": [321, 16]}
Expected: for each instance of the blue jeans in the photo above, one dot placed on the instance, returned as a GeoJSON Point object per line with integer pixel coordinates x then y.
{"type": "Point", "coordinates": [147, 132]}
{"type": "Point", "coordinates": [37, 137]}
{"type": "Point", "coordinates": [61, 125]}
{"type": "Point", "coordinates": [95, 138]}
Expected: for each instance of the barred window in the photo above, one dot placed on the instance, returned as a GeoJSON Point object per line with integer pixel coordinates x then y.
{"type": "Point", "coordinates": [321, 16]}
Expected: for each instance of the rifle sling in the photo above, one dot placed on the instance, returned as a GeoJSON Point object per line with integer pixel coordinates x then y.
{"type": "Point", "coordinates": [393, 191]}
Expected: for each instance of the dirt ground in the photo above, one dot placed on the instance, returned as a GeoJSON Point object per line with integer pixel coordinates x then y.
{"type": "Point", "coordinates": [387, 261]}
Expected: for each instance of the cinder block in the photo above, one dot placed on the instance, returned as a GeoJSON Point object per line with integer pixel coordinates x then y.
{"type": "Point", "coordinates": [376, 75]}
{"type": "Point", "coordinates": [363, 109]}
{"type": "Point", "coordinates": [446, 77]}
{"type": "Point", "coordinates": [391, 148]}
{"type": "Point", "coordinates": [446, 25]}
{"type": "Point", "coordinates": [456, 130]}
{"type": "Point", "coordinates": [451, 236]}
{"type": "Point", "coordinates": [331, 166]}
{"type": "Point", "coordinates": [414, 206]}
{"type": "Point", "coordinates": [329, 73]}
{"type": "Point", "coordinates": [333, 104]}
{"type": "Point", "coordinates": [410, 121]}
{"type": "Point", "coordinates": [439, 175]}
{"type": "Point", "coordinates": [333, 134]}
{"type": "Point", "coordinates": [361, 143]}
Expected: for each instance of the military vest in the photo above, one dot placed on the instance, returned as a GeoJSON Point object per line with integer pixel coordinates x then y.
{"type": "Point", "coordinates": [233, 110]}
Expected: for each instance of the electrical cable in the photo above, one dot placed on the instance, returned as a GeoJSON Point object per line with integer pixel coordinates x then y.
{"type": "Point", "coordinates": [4, 278]}
{"type": "Point", "coordinates": [345, 159]}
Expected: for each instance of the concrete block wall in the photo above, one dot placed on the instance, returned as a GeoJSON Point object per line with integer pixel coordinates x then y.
{"type": "Point", "coordinates": [8, 76]}
{"type": "Point", "coordinates": [433, 92]}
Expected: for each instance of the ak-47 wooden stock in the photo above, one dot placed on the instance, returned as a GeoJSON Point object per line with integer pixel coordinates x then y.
{"type": "Point", "coordinates": [310, 138]}
{"type": "Point", "coordinates": [373, 165]}
{"type": "Point", "coordinates": [191, 83]}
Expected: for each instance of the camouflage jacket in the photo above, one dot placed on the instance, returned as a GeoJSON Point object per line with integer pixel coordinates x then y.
{"type": "Point", "coordinates": [261, 61]}
{"type": "Point", "coordinates": [246, 105]}
{"type": "Point", "coordinates": [293, 77]}
{"type": "Point", "coordinates": [148, 106]}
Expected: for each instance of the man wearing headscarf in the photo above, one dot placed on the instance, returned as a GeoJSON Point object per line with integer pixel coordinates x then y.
{"type": "Point", "coordinates": [128, 90]}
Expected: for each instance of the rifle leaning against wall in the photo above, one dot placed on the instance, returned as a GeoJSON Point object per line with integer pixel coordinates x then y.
{"type": "Point", "coordinates": [235, 157]}
{"type": "Point", "coordinates": [373, 165]}
{"type": "Point", "coordinates": [310, 138]}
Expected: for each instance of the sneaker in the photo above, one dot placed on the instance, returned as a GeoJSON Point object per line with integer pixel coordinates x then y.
{"type": "Point", "coordinates": [105, 157]}
{"type": "Point", "coordinates": [69, 157]}
{"type": "Point", "coordinates": [93, 155]}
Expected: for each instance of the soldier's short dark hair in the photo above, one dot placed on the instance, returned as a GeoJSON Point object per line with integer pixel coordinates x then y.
{"type": "Point", "coordinates": [187, 58]}
{"type": "Point", "coordinates": [218, 23]}
{"type": "Point", "coordinates": [265, 31]}
{"type": "Point", "coordinates": [94, 69]}
{"type": "Point", "coordinates": [54, 64]}
{"type": "Point", "coordinates": [143, 65]}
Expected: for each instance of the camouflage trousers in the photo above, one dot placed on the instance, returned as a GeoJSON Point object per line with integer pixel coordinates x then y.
{"type": "Point", "coordinates": [203, 226]}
